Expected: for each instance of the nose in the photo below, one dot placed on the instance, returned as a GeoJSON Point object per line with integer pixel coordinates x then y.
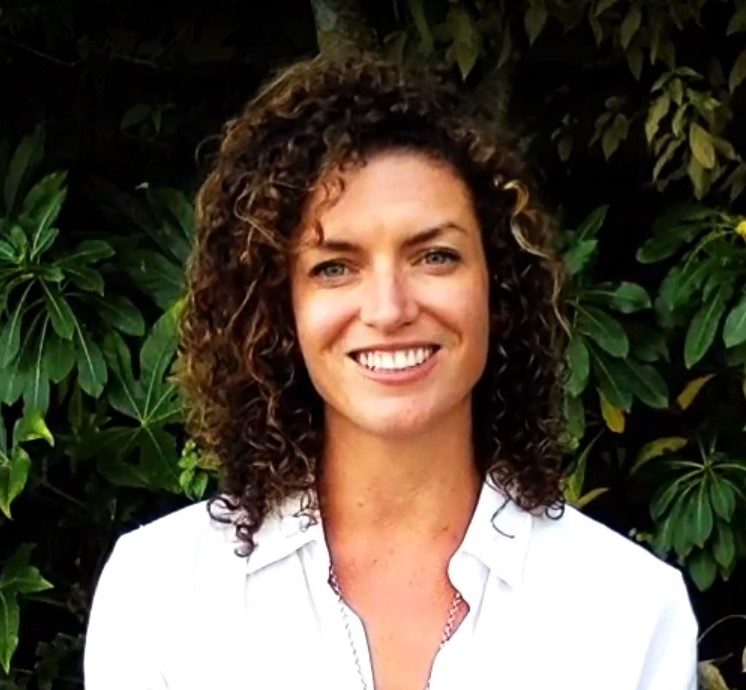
{"type": "Point", "coordinates": [388, 302]}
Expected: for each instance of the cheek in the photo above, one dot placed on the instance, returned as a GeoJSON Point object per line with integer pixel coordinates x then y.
{"type": "Point", "coordinates": [319, 320]}
{"type": "Point", "coordinates": [464, 305]}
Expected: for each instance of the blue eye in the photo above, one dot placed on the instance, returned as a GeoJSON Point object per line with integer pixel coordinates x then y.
{"type": "Point", "coordinates": [329, 269]}
{"type": "Point", "coordinates": [440, 257]}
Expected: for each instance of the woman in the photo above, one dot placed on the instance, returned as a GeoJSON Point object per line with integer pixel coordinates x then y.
{"type": "Point", "coordinates": [371, 349]}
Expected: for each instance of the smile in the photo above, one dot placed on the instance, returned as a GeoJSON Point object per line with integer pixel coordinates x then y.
{"type": "Point", "coordinates": [394, 360]}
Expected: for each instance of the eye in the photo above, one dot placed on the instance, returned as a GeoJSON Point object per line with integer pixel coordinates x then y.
{"type": "Point", "coordinates": [440, 257]}
{"type": "Point", "coordinates": [329, 269]}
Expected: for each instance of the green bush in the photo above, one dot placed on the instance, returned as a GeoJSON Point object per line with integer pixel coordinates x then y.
{"type": "Point", "coordinates": [634, 127]}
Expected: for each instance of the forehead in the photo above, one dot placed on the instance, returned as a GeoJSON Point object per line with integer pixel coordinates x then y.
{"type": "Point", "coordinates": [397, 188]}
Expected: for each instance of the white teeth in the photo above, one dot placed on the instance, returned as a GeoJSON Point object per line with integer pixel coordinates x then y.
{"type": "Point", "coordinates": [394, 361]}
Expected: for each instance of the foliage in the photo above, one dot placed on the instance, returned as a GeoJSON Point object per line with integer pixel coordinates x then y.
{"type": "Point", "coordinates": [635, 126]}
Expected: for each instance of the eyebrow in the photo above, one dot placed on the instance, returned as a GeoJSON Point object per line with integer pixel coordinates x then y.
{"type": "Point", "coordinates": [420, 238]}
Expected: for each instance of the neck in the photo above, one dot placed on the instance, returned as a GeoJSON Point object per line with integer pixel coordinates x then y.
{"type": "Point", "coordinates": [378, 487]}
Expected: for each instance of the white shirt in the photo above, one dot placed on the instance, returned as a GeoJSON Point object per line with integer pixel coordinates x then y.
{"type": "Point", "coordinates": [564, 604]}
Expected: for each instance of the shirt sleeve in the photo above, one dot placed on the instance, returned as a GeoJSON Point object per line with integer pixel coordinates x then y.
{"type": "Point", "coordinates": [671, 660]}
{"type": "Point", "coordinates": [119, 651]}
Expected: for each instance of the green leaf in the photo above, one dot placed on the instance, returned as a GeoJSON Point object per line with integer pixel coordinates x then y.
{"type": "Point", "coordinates": [9, 623]}
{"type": "Point", "coordinates": [630, 25]}
{"type": "Point", "coordinates": [702, 329]}
{"type": "Point", "coordinates": [577, 359]}
{"type": "Point", "coordinates": [578, 255]}
{"type": "Point", "coordinates": [737, 72]}
{"type": "Point", "coordinates": [19, 576]}
{"type": "Point", "coordinates": [159, 347]}
{"type": "Point", "coordinates": [535, 19]}
{"type": "Point", "coordinates": [724, 546]}
{"type": "Point", "coordinates": [42, 232]}
{"type": "Point", "coordinates": [60, 313]}
{"type": "Point", "coordinates": [700, 142]}
{"type": "Point", "coordinates": [645, 383]}
{"type": "Point", "coordinates": [154, 274]}
{"type": "Point", "coordinates": [592, 223]}
{"type": "Point", "coordinates": [646, 343]}
{"type": "Point", "coordinates": [574, 480]}
{"type": "Point", "coordinates": [87, 252]}
{"type": "Point", "coordinates": [666, 242]}
{"type": "Point", "coordinates": [625, 297]}
{"type": "Point", "coordinates": [92, 373]}
{"type": "Point", "coordinates": [157, 465]}
{"type": "Point", "coordinates": [604, 330]}
{"type": "Point", "coordinates": [31, 427]}
{"type": "Point", "coordinates": [664, 498]}
{"type": "Point", "coordinates": [611, 380]}
{"type": "Point", "coordinates": [734, 328]}
{"type": "Point", "coordinates": [680, 285]}
{"type": "Point", "coordinates": [722, 497]}
{"type": "Point", "coordinates": [10, 333]}
{"type": "Point", "coordinates": [702, 568]}
{"type": "Point", "coordinates": [673, 533]}
{"type": "Point", "coordinates": [36, 393]}
{"type": "Point", "coordinates": [14, 471]}
{"type": "Point", "coordinates": [175, 233]}
{"type": "Point", "coordinates": [86, 278]}
{"type": "Point", "coordinates": [59, 357]}
{"type": "Point", "coordinates": [119, 312]}
{"type": "Point", "coordinates": [574, 414]}
{"type": "Point", "coordinates": [13, 381]}
{"type": "Point", "coordinates": [22, 167]}
{"type": "Point", "coordinates": [700, 516]}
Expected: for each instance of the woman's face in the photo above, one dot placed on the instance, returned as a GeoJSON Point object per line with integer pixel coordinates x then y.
{"type": "Point", "coordinates": [391, 306]}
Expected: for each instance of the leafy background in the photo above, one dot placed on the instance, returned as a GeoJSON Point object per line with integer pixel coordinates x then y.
{"type": "Point", "coordinates": [628, 109]}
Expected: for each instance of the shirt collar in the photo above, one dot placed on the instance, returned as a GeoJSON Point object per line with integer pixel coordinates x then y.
{"type": "Point", "coordinates": [498, 534]}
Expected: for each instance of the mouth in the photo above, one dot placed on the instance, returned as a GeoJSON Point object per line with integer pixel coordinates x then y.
{"type": "Point", "coordinates": [394, 360]}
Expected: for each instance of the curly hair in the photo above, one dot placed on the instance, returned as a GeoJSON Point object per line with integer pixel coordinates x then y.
{"type": "Point", "coordinates": [249, 400]}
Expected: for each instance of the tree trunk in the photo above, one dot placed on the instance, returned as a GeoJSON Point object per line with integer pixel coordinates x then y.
{"type": "Point", "coordinates": [342, 27]}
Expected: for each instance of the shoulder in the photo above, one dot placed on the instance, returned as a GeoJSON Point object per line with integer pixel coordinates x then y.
{"type": "Point", "coordinates": [178, 547]}
{"type": "Point", "coordinates": [587, 552]}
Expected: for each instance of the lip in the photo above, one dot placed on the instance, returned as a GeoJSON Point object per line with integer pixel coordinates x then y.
{"type": "Point", "coordinates": [398, 378]}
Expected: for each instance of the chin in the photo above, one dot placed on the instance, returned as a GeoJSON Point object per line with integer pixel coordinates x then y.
{"type": "Point", "coordinates": [396, 423]}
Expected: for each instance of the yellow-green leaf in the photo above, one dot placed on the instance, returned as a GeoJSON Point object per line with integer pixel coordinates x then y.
{"type": "Point", "coordinates": [535, 19]}
{"type": "Point", "coordinates": [701, 145]}
{"type": "Point", "coordinates": [710, 677]}
{"type": "Point", "coordinates": [630, 25]}
{"type": "Point", "coordinates": [613, 416]}
{"type": "Point", "coordinates": [658, 447]}
{"type": "Point", "coordinates": [657, 111]}
{"type": "Point", "coordinates": [737, 72]}
{"type": "Point", "coordinates": [586, 498]}
{"type": "Point", "coordinates": [691, 391]}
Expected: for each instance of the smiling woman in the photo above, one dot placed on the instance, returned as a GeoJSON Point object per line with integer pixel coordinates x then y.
{"type": "Point", "coordinates": [371, 348]}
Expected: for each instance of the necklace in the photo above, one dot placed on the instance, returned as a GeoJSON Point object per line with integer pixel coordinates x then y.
{"type": "Point", "coordinates": [448, 629]}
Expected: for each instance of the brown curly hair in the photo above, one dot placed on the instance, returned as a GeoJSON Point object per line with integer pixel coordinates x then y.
{"type": "Point", "coordinates": [249, 400]}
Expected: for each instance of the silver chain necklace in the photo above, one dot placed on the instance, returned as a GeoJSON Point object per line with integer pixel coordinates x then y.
{"type": "Point", "coordinates": [448, 629]}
